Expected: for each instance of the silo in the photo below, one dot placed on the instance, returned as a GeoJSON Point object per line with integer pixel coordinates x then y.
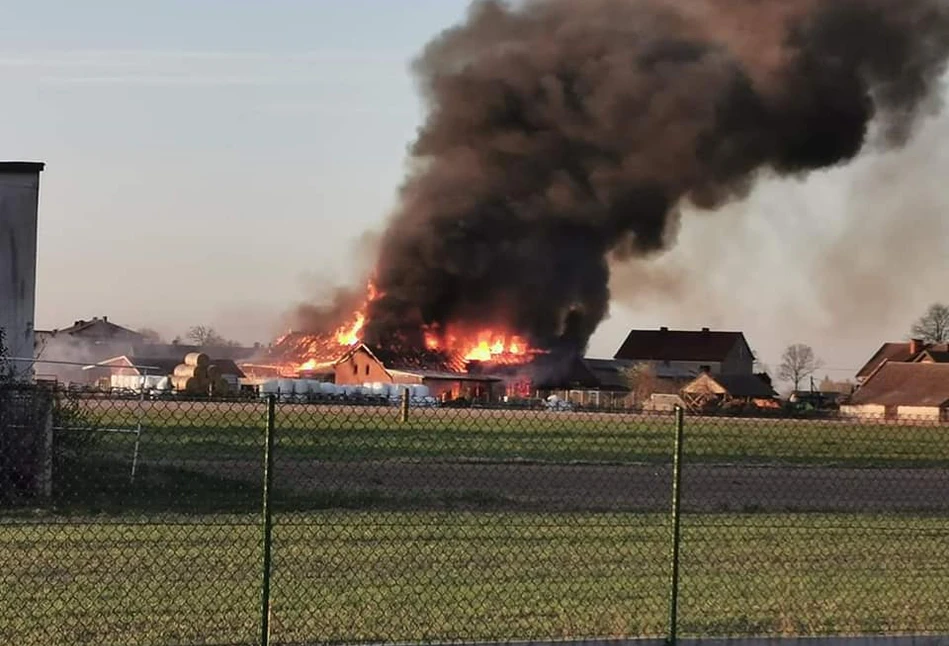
{"type": "Point", "coordinates": [19, 201]}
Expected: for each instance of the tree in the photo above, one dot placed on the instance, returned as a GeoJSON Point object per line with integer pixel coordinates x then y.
{"type": "Point", "coordinates": [641, 380]}
{"type": "Point", "coordinates": [206, 336]}
{"type": "Point", "coordinates": [797, 363]}
{"type": "Point", "coordinates": [933, 326]}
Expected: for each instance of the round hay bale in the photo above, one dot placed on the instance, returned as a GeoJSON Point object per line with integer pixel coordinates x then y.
{"type": "Point", "coordinates": [184, 370]}
{"type": "Point", "coordinates": [184, 384]}
{"type": "Point", "coordinates": [197, 359]}
{"type": "Point", "coordinates": [220, 386]}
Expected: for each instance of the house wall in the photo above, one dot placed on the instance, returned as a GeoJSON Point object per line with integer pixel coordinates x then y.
{"type": "Point", "coordinates": [683, 369]}
{"type": "Point", "coordinates": [876, 411]}
{"type": "Point", "coordinates": [739, 361]}
{"type": "Point", "coordinates": [920, 413]}
{"type": "Point", "coordinates": [360, 368]}
{"type": "Point", "coordinates": [446, 389]}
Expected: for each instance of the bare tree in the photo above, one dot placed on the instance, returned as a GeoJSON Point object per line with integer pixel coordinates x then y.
{"type": "Point", "coordinates": [933, 326]}
{"type": "Point", "coordinates": [641, 380]}
{"type": "Point", "coordinates": [206, 336]}
{"type": "Point", "coordinates": [797, 363]}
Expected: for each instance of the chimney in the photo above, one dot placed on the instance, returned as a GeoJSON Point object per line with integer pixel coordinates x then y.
{"type": "Point", "coordinates": [915, 346]}
{"type": "Point", "coordinates": [105, 319]}
{"type": "Point", "coordinates": [705, 330]}
{"type": "Point", "coordinates": [663, 329]}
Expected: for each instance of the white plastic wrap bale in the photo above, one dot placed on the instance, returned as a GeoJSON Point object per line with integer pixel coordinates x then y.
{"type": "Point", "coordinates": [269, 388]}
{"type": "Point", "coordinates": [286, 388]}
{"type": "Point", "coordinates": [301, 390]}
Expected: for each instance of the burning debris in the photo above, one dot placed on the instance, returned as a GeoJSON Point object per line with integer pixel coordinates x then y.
{"type": "Point", "coordinates": [562, 136]}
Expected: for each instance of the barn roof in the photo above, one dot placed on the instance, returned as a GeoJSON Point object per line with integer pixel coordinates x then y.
{"type": "Point", "coordinates": [905, 384]}
{"type": "Point", "coordinates": [679, 345]}
{"type": "Point", "coordinates": [740, 386]}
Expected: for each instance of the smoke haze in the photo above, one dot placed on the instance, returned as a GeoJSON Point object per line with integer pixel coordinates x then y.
{"type": "Point", "coordinates": [564, 138]}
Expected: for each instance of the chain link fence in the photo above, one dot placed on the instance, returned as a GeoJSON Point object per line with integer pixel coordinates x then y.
{"type": "Point", "coordinates": [389, 524]}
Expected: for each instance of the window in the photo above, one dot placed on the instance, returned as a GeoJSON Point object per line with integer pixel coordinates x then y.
{"type": "Point", "coordinates": [367, 369]}
{"type": "Point", "coordinates": [355, 368]}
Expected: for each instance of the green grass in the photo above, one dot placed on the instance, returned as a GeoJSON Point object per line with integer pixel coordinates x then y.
{"type": "Point", "coordinates": [235, 431]}
{"type": "Point", "coordinates": [359, 576]}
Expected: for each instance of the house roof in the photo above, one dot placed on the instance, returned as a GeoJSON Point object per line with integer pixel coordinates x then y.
{"type": "Point", "coordinates": [166, 365]}
{"type": "Point", "coordinates": [740, 386]}
{"type": "Point", "coordinates": [679, 345]}
{"type": "Point", "coordinates": [897, 352]}
{"type": "Point", "coordinates": [155, 365]}
{"type": "Point", "coordinates": [905, 384]}
{"type": "Point", "coordinates": [609, 373]}
{"type": "Point", "coordinates": [99, 328]}
{"type": "Point", "coordinates": [933, 356]}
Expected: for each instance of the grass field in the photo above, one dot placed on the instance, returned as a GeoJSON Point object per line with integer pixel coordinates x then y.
{"type": "Point", "coordinates": [235, 431]}
{"type": "Point", "coordinates": [436, 576]}
{"type": "Point", "coordinates": [175, 556]}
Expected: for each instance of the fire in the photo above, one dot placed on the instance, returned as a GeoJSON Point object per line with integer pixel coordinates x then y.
{"type": "Point", "coordinates": [483, 345]}
{"type": "Point", "coordinates": [350, 335]}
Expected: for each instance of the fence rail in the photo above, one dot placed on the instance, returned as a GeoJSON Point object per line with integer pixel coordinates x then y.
{"type": "Point", "coordinates": [249, 522]}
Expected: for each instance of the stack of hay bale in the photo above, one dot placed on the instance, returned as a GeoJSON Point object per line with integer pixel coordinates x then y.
{"type": "Point", "coordinates": [196, 376]}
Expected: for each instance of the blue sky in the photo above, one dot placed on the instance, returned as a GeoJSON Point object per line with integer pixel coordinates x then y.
{"type": "Point", "coordinates": [216, 161]}
{"type": "Point", "coordinates": [207, 160]}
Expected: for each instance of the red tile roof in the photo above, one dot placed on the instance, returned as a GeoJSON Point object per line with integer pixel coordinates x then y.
{"type": "Point", "coordinates": [896, 353]}
{"type": "Point", "coordinates": [906, 384]}
{"type": "Point", "coordinates": [679, 345]}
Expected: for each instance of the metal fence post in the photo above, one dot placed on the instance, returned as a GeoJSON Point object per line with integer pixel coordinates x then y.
{"type": "Point", "coordinates": [267, 522]}
{"type": "Point", "coordinates": [676, 518]}
{"type": "Point", "coordinates": [405, 406]}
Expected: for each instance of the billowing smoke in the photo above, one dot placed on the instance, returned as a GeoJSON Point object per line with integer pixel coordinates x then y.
{"type": "Point", "coordinates": [564, 135]}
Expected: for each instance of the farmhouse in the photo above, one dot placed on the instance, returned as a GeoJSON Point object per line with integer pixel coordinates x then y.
{"type": "Point", "coordinates": [688, 353]}
{"type": "Point", "coordinates": [909, 352]}
{"type": "Point", "coordinates": [446, 379]}
{"type": "Point", "coordinates": [903, 391]}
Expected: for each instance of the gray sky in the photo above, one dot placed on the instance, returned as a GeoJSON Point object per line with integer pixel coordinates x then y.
{"type": "Point", "coordinates": [217, 161]}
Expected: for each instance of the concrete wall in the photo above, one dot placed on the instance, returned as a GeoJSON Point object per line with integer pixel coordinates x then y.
{"type": "Point", "coordinates": [19, 200]}
{"type": "Point", "coordinates": [920, 413]}
{"type": "Point", "coordinates": [871, 411]}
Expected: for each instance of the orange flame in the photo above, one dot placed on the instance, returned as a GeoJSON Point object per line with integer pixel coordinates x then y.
{"type": "Point", "coordinates": [350, 335]}
{"type": "Point", "coordinates": [483, 345]}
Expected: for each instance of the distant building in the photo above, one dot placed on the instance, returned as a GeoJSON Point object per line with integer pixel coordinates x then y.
{"type": "Point", "coordinates": [908, 352]}
{"type": "Point", "coordinates": [898, 390]}
{"type": "Point", "coordinates": [364, 365]}
{"type": "Point", "coordinates": [714, 391]}
{"type": "Point", "coordinates": [686, 353]}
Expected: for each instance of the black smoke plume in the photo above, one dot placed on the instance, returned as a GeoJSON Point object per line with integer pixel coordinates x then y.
{"type": "Point", "coordinates": [563, 135]}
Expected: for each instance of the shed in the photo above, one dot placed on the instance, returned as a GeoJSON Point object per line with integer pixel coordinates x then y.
{"type": "Point", "coordinates": [707, 390]}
